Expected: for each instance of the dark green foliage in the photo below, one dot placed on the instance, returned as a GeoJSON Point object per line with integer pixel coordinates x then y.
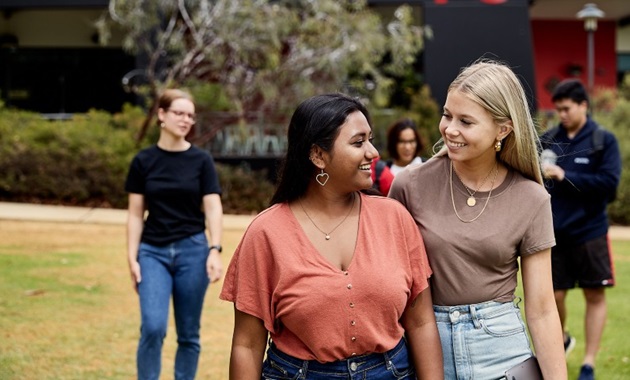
{"type": "Point", "coordinates": [616, 120]}
{"type": "Point", "coordinates": [84, 162]}
{"type": "Point", "coordinates": [244, 191]}
{"type": "Point", "coordinates": [76, 162]}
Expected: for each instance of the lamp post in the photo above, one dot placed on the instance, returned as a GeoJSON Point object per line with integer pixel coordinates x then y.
{"type": "Point", "coordinates": [590, 13]}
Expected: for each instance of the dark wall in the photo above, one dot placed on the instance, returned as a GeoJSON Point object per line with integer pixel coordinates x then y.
{"type": "Point", "coordinates": [56, 80]}
{"type": "Point", "coordinates": [52, 3]}
{"type": "Point", "coordinates": [465, 30]}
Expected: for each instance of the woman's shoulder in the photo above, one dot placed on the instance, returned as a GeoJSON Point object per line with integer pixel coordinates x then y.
{"type": "Point", "coordinates": [148, 151]}
{"type": "Point", "coordinates": [382, 206]}
{"type": "Point", "coordinates": [435, 166]}
{"type": "Point", "coordinates": [271, 217]}
{"type": "Point", "coordinates": [198, 152]}
{"type": "Point", "coordinates": [528, 187]}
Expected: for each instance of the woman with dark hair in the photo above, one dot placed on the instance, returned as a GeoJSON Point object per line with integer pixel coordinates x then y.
{"type": "Point", "coordinates": [308, 274]}
{"type": "Point", "coordinates": [403, 145]}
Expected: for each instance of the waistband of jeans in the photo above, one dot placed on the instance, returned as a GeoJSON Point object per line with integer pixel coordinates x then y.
{"type": "Point", "coordinates": [478, 310]}
{"type": "Point", "coordinates": [366, 361]}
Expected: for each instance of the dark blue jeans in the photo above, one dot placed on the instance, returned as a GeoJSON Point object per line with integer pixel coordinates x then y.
{"type": "Point", "coordinates": [177, 270]}
{"type": "Point", "coordinates": [393, 364]}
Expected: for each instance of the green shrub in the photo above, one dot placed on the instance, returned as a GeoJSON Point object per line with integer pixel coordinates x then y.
{"type": "Point", "coordinates": [78, 161]}
{"type": "Point", "coordinates": [84, 162]}
{"type": "Point", "coordinates": [616, 121]}
{"type": "Point", "coordinates": [244, 191]}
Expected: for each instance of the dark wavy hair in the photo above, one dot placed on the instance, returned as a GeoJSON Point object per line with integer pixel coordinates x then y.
{"type": "Point", "coordinates": [570, 89]}
{"type": "Point", "coordinates": [393, 136]}
{"type": "Point", "coordinates": [316, 121]}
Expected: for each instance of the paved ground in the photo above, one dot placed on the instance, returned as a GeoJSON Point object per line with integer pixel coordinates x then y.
{"type": "Point", "coordinates": [48, 213]}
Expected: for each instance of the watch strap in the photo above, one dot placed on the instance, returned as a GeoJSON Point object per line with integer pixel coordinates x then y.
{"type": "Point", "coordinates": [217, 247]}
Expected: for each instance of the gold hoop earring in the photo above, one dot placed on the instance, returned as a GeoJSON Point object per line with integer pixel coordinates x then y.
{"type": "Point", "coordinates": [498, 146]}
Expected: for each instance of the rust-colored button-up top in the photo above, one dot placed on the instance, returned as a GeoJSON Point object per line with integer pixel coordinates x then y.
{"type": "Point", "coordinates": [315, 311]}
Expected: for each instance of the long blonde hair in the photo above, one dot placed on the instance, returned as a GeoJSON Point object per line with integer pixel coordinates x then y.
{"type": "Point", "coordinates": [495, 87]}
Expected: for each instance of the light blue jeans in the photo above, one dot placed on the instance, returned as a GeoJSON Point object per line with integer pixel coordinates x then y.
{"type": "Point", "coordinates": [481, 341]}
{"type": "Point", "coordinates": [177, 270]}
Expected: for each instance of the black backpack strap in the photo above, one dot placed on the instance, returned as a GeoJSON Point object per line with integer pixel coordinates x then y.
{"type": "Point", "coordinates": [380, 166]}
{"type": "Point", "coordinates": [599, 134]}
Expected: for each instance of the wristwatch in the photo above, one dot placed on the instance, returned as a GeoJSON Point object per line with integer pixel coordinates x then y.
{"type": "Point", "coordinates": [217, 247]}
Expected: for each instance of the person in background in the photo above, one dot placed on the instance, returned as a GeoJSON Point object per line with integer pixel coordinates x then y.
{"type": "Point", "coordinates": [316, 273]}
{"type": "Point", "coordinates": [404, 145]}
{"type": "Point", "coordinates": [483, 211]}
{"type": "Point", "coordinates": [583, 179]}
{"type": "Point", "coordinates": [382, 176]}
{"type": "Point", "coordinates": [168, 253]}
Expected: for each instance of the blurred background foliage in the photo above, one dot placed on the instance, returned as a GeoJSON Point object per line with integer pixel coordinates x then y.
{"type": "Point", "coordinates": [84, 161]}
{"type": "Point", "coordinates": [245, 61]}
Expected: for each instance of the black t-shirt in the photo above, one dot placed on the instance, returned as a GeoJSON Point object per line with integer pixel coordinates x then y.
{"type": "Point", "coordinates": [173, 185]}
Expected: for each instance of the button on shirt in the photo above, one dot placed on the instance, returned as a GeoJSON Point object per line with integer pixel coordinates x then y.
{"type": "Point", "coordinates": [315, 311]}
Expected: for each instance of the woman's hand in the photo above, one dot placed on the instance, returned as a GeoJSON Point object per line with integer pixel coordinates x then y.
{"type": "Point", "coordinates": [136, 277]}
{"type": "Point", "coordinates": [214, 266]}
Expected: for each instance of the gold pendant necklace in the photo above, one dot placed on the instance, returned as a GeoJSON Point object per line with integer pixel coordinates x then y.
{"type": "Point", "coordinates": [327, 234]}
{"type": "Point", "coordinates": [487, 199]}
{"type": "Point", "coordinates": [472, 201]}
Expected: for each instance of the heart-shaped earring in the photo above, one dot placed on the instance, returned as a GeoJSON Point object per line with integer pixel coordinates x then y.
{"type": "Point", "coordinates": [322, 178]}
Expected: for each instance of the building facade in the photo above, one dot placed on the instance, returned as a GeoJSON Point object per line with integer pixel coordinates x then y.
{"type": "Point", "coordinates": [51, 61]}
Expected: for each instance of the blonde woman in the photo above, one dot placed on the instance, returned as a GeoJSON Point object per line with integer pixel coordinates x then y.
{"type": "Point", "coordinates": [481, 206]}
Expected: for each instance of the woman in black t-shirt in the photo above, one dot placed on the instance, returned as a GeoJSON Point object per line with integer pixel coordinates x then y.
{"type": "Point", "coordinates": [169, 253]}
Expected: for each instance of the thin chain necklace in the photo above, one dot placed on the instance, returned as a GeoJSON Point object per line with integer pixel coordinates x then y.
{"type": "Point", "coordinates": [472, 201]}
{"type": "Point", "coordinates": [327, 234]}
{"type": "Point", "coordinates": [487, 199]}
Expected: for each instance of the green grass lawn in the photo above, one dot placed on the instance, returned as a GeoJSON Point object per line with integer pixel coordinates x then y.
{"type": "Point", "coordinates": [613, 361]}
{"type": "Point", "coordinates": [68, 311]}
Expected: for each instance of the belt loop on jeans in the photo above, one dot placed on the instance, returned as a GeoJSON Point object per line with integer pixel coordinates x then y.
{"type": "Point", "coordinates": [304, 370]}
{"type": "Point", "coordinates": [473, 315]}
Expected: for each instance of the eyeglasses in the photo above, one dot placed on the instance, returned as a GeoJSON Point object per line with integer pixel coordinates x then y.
{"type": "Point", "coordinates": [181, 114]}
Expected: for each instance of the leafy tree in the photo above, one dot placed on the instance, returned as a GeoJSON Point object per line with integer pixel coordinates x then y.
{"type": "Point", "coordinates": [263, 56]}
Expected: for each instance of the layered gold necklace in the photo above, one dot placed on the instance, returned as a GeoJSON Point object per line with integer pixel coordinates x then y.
{"type": "Point", "coordinates": [471, 201]}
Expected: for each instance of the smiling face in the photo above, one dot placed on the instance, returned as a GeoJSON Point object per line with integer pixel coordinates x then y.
{"type": "Point", "coordinates": [468, 130]}
{"type": "Point", "coordinates": [178, 118]}
{"type": "Point", "coordinates": [348, 163]}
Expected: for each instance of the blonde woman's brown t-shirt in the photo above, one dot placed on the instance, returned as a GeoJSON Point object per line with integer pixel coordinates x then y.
{"type": "Point", "coordinates": [477, 261]}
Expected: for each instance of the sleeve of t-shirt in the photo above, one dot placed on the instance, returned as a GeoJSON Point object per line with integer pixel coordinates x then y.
{"type": "Point", "coordinates": [135, 179]}
{"type": "Point", "coordinates": [397, 188]}
{"type": "Point", "coordinates": [209, 177]}
{"type": "Point", "coordinates": [539, 235]}
{"type": "Point", "coordinates": [418, 260]}
{"type": "Point", "coordinates": [249, 279]}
